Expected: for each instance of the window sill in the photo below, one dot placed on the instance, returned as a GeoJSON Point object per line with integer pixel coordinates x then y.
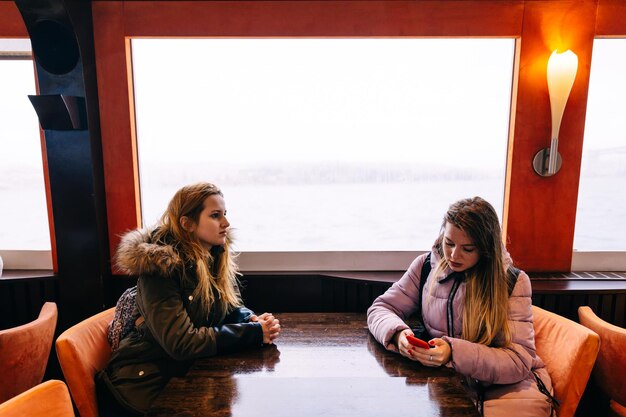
{"type": "Point", "coordinates": [25, 274]}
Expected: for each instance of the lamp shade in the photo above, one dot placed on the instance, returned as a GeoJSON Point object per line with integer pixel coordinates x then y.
{"type": "Point", "coordinates": [562, 69]}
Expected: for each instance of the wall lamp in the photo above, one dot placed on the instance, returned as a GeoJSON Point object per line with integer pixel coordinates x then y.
{"type": "Point", "coordinates": [561, 74]}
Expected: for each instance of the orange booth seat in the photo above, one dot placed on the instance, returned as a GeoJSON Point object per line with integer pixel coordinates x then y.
{"type": "Point", "coordinates": [83, 351]}
{"type": "Point", "coordinates": [569, 351]}
{"type": "Point", "coordinates": [609, 373]}
{"type": "Point", "coordinates": [50, 399]}
{"type": "Point", "coordinates": [24, 352]}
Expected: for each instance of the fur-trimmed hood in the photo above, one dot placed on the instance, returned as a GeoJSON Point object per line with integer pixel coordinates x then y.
{"type": "Point", "coordinates": [138, 255]}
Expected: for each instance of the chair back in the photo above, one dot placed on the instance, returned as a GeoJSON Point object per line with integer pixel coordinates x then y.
{"type": "Point", "coordinates": [83, 351]}
{"type": "Point", "coordinates": [610, 368]}
{"type": "Point", "coordinates": [50, 399]}
{"type": "Point", "coordinates": [617, 410]}
{"type": "Point", "coordinates": [569, 351]}
{"type": "Point", "coordinates": [24, 352]}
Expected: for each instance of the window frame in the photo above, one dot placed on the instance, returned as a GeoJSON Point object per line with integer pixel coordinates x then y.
{"type": "Point", "coordinates": [597, 259]}
{"type": "Point", "coordinates": [116, 21]}
{"type": "Point", "coordinates": [520, 19]}
{"type": "Point", "coordinates": [504, 49]}
{"type": "Point", "coordinates": [29, 259]}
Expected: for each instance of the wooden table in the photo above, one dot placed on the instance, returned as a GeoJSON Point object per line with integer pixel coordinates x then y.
{"type": "Point", "coordinates": [323, 364]}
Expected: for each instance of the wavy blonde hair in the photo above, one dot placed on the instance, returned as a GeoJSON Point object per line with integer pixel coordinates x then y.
{"type": "Point", "coordinates": [485, 318]}
{"type": "Point", "coordinates": [189, 202]}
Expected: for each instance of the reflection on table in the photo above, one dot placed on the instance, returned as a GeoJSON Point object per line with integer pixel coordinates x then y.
{"type": "Point", "coordinates": [323, 364]}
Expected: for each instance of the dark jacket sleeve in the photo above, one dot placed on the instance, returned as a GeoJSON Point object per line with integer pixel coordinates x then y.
{"type": "Point", "coordinates": [238, 315]}
{"type": "Point", "coordinates": [160, 302]}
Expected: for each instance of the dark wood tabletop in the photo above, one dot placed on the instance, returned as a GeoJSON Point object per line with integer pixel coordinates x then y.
{"type": "Point", "coordinates": [323, 364]}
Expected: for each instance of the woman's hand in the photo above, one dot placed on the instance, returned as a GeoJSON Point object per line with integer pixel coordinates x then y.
{"type": "Point", "coordinates": [403, 345]}
{"type": "Point", "coordinates": [433, 357]}
{"type": "Point", "coordinates": [270, 326]}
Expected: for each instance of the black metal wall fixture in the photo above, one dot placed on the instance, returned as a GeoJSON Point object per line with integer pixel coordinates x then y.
{"type": "Point", "coordinates": [61, 34]}
{"type": "Point", "coordinates": [60, 112]}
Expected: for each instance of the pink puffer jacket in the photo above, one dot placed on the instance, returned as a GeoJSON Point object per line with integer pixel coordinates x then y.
{"type": "Point", "coordinates": [507, 372]}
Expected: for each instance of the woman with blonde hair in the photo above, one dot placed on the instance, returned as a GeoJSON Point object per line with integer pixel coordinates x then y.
{"type": "Point", "coordinates": [187, 303]}
{"type": "Point", "coordinates": [476, 315]}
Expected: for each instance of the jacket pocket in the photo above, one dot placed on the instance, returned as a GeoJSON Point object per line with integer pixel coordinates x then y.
{"type": "Point", "coordinates": [138, 384]}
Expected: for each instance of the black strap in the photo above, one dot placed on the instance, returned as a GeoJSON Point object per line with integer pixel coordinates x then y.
{"type": "Point", "coordinates": [423, 277]}
{"type": "Point", "coordinates": [480, 398]}
{"type": "Point", "coordinates": [554, 403]}
{"type": "Point", "coordinates": [512, 274]}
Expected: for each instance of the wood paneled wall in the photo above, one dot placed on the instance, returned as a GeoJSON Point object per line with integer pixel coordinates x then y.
{"type": "Point", "coordinates": [302, 293]}
{"type": "Point", "coordinates": [11, 23]}
{"type": "Point", "coordinates": [12, 26]}
{"type": "Point", "coordinates": [21, 299]}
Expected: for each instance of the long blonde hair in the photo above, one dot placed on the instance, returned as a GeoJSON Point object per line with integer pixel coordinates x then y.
{"type": "Point", "coordinates": [189, 202]}
{"type": "Point", "coordinates": [485, 317]}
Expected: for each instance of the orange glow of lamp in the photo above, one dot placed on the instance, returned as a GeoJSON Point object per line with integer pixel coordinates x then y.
{"type": "Point", "coordinates": [562, 69]}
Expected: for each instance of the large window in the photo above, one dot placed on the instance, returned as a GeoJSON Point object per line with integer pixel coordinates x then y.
{"type": "Point", "coordinates": [325, 144]}
{"type": "Point", "coordinates": [601, 213]}
{"type": "Point", "coordinates": [23, 213]}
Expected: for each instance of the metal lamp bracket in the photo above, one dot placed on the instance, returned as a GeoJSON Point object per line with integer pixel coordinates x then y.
{"type": "Point", "coordinates": [541, 162]}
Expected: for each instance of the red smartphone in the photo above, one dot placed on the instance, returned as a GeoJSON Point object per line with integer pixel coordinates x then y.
{"type": "Point", "coordinates": [418, 342]}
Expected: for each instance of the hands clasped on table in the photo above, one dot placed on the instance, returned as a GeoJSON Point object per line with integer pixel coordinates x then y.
{"type": "Point", "coordinates": [270, 325]}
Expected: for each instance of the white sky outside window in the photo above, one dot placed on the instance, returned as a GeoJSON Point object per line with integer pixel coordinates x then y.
{"type": "Point", "coordinates": [601, 212]}
{"type": "Point", "coordinates": [325, 144]}
{"type": "Point", "coordinates": [23, 212]}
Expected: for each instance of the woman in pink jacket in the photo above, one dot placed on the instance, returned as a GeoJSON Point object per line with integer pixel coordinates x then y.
{"type": "Point", "coordinates": [476, 314]}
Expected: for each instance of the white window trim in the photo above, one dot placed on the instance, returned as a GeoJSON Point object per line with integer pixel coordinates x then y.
{"type": "Point", "coordinates": [599, 261]}
{"type": "Point", "coordinates": [326, 261]}
{"type": "Point", "coordinates": [389, 261]}
{"type": "Point", "coordinates": [26, 259]}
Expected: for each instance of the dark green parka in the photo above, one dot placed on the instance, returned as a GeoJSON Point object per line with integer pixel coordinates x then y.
{"type": "Point", "coordinates": [174, 331]}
